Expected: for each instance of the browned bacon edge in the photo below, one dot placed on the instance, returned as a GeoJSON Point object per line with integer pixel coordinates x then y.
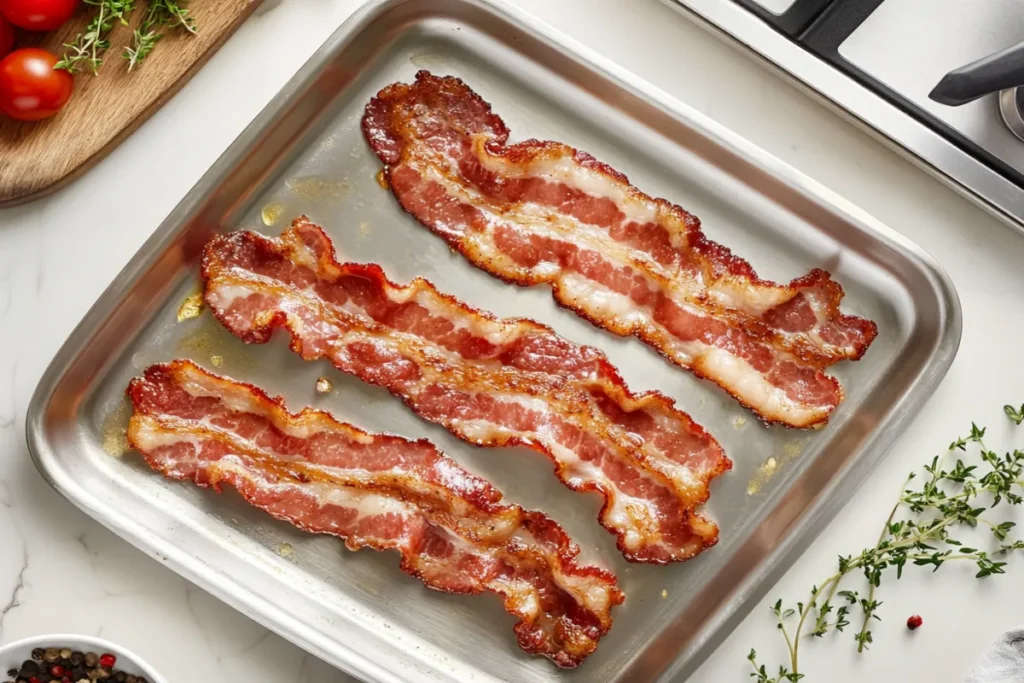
{"type": "Point", "coordinates": [563, 614]}
{"type": "Point", "coordinates": [256, 327]}
{"type": "Point", "coordinates": [387, 135]}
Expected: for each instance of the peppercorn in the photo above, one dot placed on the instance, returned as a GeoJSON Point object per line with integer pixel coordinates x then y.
{"type": "Point", "coordinates": [914, 622]}
{"type": "Point", "coordinates": [63, 665]}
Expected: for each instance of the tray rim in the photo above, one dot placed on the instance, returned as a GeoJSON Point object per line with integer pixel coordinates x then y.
{"type": "Point", "coordinates": [803, 528]}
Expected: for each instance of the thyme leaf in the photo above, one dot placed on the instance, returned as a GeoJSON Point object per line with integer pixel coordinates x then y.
{"type": "Point", "coordinates": [89, 47]}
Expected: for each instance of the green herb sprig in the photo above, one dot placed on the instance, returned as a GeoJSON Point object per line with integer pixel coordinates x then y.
{"type": "Point", "coordinates": [89, 47]}
{"type": "Point", "coordinates": [161, 14]}
{"type": "Point", "coordinates": [949, 498]}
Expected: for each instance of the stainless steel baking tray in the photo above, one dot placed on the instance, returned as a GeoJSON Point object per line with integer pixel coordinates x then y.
{"type": "Point", "coordinates": [305, 154]}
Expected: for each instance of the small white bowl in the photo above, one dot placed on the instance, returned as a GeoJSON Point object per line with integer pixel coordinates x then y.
{"type": "Point", "coordinates": [13, 655]}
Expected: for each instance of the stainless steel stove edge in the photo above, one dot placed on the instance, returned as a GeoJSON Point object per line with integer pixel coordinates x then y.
{"type": "Point", "coordinates": [889, 124]}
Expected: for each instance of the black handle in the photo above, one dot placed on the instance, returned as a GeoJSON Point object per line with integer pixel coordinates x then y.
{"type": "Point", "coordinates": [991, 74]}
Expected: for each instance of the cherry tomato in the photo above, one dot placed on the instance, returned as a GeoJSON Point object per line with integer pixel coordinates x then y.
{"type": "Point", "coordinates": [38, 15]}
{"type": "Point", "coordinates": [6, 36]}
{"type": "Point", "coordinates": [30, 88]}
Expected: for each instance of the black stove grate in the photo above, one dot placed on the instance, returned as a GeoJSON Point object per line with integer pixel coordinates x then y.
{"type": "Point", "coordinates": [822, 26]}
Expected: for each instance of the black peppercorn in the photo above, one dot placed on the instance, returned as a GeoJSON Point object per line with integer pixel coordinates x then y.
{"type": "Point", "coordinates": [62, 665]}
{"type": "Point", "coordinates": [29, 668]}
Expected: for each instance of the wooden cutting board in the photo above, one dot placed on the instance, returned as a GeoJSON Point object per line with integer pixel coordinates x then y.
{"type": "Point", "coordinates": [39, 158]}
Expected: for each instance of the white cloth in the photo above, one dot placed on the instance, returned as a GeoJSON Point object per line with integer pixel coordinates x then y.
{"type": "Point", "coordinates": [1004, 661]}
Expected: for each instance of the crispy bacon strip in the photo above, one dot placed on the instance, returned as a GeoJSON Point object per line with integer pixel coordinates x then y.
{"type": "Point", "coordinates": [491, 382]}
{"type": "Point", "coordinates": [543, 212]}
{"type": "Point", "coordinates": [376, 491]}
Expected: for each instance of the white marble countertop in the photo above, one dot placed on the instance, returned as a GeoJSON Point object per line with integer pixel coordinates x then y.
{"type": "Point", "coordinates": [60, 571]}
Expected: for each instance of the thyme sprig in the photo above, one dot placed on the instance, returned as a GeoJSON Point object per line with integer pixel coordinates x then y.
{"type": "Point", "coordinates": [160, 15]}
{"type": "Point", "coordinates": [948, 498]}
{"type": "Point", "coordinates": [89, 47]}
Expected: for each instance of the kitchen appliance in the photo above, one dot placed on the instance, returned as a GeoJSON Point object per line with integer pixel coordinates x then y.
{"type": "Point", "coordinates": [939, 78]}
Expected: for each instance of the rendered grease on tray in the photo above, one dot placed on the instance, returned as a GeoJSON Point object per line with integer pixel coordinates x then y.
{"type": "Point", "coordinates": [191, 307]}
{"type": "Point", "coordinates": [763, 474]}
{"type": "Point", "coordinates": [211, 343]}
{"type": "Point", "coordinates": [115, 430]}
{"type": "Point", "coordinates": [272, 213]}
{"type": "Point", "coordinates": [318, 189]}
{"type": "Point", "coordinates": [790, 451]}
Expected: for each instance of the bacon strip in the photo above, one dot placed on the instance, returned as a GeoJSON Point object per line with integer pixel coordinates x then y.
{"type": "Point", "coordinates": [491, 382]}
{"type": "Point", "coordinates": [543, 212]}
{"type": "Point", "coordinates": [376, 491]}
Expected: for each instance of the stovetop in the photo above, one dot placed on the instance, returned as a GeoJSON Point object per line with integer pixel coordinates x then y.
{"type": "Point", "coordinates": [881, 60]}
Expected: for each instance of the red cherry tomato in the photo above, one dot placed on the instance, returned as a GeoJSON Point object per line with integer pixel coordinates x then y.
{"type": "Point", "coordinates": [6, 36]}
{"type": "Point", "coordinates": [30, 88]}
{"type": "Point", "coordinates": [38, 15]}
